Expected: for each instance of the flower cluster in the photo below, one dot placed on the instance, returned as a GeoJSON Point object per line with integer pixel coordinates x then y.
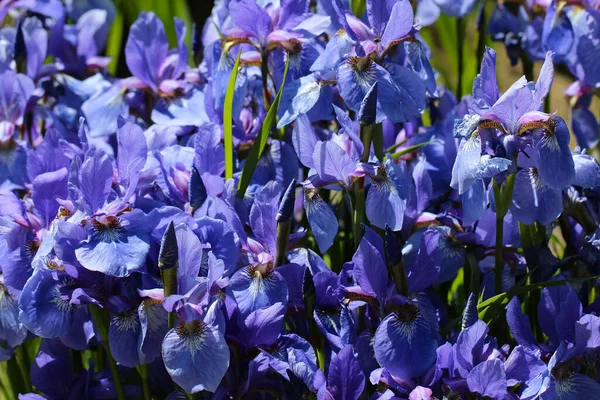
{"type": "Point", "coordinates": [306, 213]}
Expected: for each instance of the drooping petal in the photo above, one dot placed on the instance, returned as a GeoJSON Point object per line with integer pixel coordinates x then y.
{"type": "Point", "coordinates": [44, 310]}
{"type": "Point", "coordinates": [123, 338]}
{"type": "Point", "coordinates": [534, 201]}
{"type": "Point", "coordinates": [466, 167]}
{"type": "Point", "coordinates": [387, 196]}
{"type": "Point", "coordinates": [587, 171]}
{"type": "Point", "coordinates": [405, 342]}
{"type": "Point", "coordinates": [304, 140]}
{"type": "Point", "coordinates": [257, 287]}
{"type": "Point", "coordinates": [298, 97]}
{"type": "Point", "coordinates": [555, 162]}
{"type": "Point", "coordinates": [321, 218]}
{"type": "Point", "coordinates": [209, 156]}
{"type": "Point", "coordinates": [117, 246]}
{"type": "Point", "coordinates": [557, 31]}
{"type": "Point", "coordinates": [196, 356]}
{"type": "Point", "coordinates": [154, 326]}
{"type": "Point", "coordinates": [12, 331]}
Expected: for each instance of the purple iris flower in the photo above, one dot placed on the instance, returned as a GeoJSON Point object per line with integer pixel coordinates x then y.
{"type": "Point", "coordinates": [391, 24]}
{"type": "Point", "coordinates": [148, 56]}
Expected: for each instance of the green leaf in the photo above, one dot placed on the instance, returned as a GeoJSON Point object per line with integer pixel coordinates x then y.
{"type": "Point", "coordinates": [358, 7]}
{"type": "Point", "coordinates": [228, 119]}
{"type": "Point", "coordinates": [261, 141]}
{"type": "Point", "coordinates": [409, 149]}
{"type": "Point", "coordinates": [115, 40]}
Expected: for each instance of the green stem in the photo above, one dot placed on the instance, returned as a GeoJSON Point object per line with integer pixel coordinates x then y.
{"type": "Point", "coordinates": [24, 366]}
{"type": "Point", "coordinates": [460, 37]}
{"type": "Point", "coordinates": [264, 72]}
{"type": "Point", "coordinates": [474, 271]}
{"type": "Point", "coordinates": [283, 236]}
{"type": "Point", "coordinates": [144, 372]}
{"type": "Point", "coordinates": [481, 29]}
{"type": "Point", "coordinates": [102, 320]}
{"type": "Point", "coordinates": [499, 261]}
{"type": "Point", "coordinates": [503, 198]}
{"type": "Point", "coordinates": [359, 211]}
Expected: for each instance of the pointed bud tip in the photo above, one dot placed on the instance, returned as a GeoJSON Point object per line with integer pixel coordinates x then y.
{"type": "Point", "coordinates": [368, 108]}
{"type": "Point", "coordinates": [286, 207]}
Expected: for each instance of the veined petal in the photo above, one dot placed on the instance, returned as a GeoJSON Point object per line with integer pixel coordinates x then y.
{"type": "Point", "coordinates": [11, 329]}
{"type": "Point", "coordinates": [44, 310]}
{"type": "Point", "coordinates": [533, 200]}
{"type": "Point", "coordinates": [154, 327]}
{"type": "Point", "coordinates": [95, 179]}
{"type": "Point", "coordinates": [123, 337]}
{"type": "Point", "coordinates": [256, 287]}
{"type": "Point", "coordinates": [196, 356]}
{"type": "Point", "coordinates": [555, 162]}
{"type": "Point", "coordinates": [117, 246]}
{"type": "Point", "coordinates": [298, 97]}
{"type": "Point", "coordinates": [321, 218]}
{"type": "Point", "coordinates": [466, 167]}
{"type": "Point", "coordinates": [405, 342]}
